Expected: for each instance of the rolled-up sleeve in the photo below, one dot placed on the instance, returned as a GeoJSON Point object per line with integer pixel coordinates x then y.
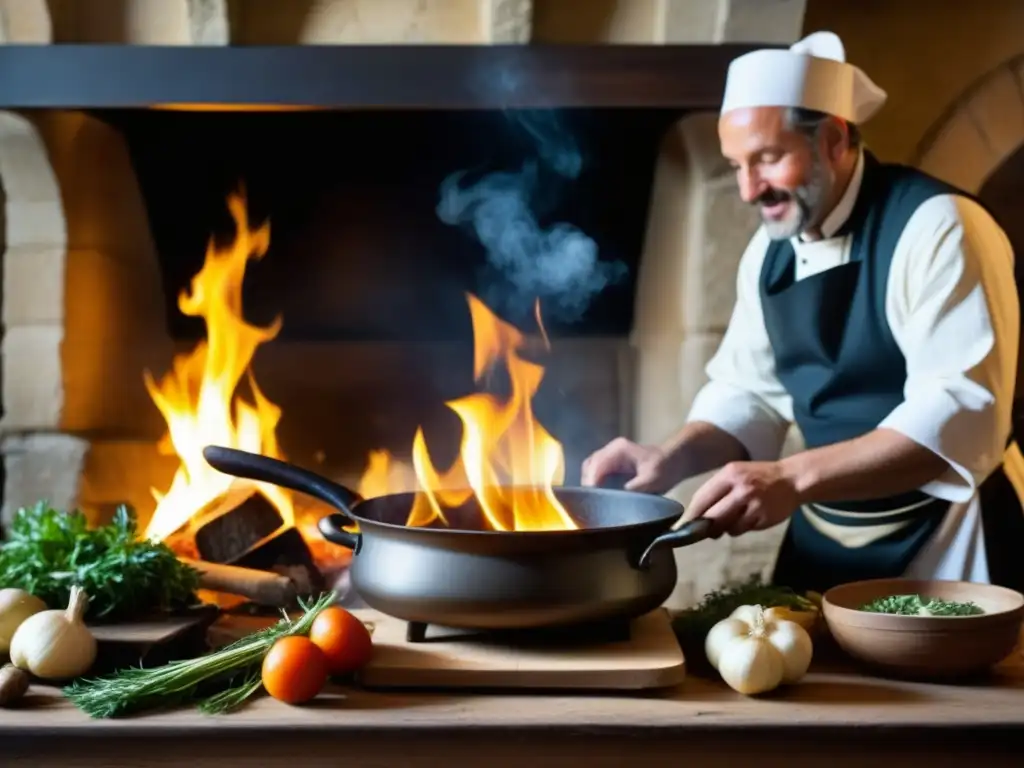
{"type": "Point", "coordinates": [954, 311]}
{"type": "Point", "coordinates": [743, 396]}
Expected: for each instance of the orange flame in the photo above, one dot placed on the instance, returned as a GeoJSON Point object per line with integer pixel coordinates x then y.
{"type": "Point", "coordinates": [198, 397]}
{"type": "Point", "coordinates": [507, 460]}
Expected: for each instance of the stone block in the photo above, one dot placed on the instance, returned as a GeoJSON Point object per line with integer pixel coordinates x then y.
{"type": "Point", "coordinates": [41, 466]}
{"type": "Point", "coordinates": [33, 285]}
{"type": "Point", "coordinates": [208, 22]}
{"type": "Point", "coordinates": [24, 162]}
{"type": "Point", "coordinates": [34, 224]}
{"type": "Point", "coordinates": [24, 22]}
{"type": "Point", "coordinates": [762, 21]}
{"type": "Point", "coordinates": [135, 22]}
{"type": "Point", "coordinates": [325, 22]}
{"type": "Point", "coordinates": [506, 21]}
{"type": "Point", "coordinates": [692, 21]}
{"type": "Point", "coordinates": [597, 21]}
{"type": "Point", "coordinates": [33, 392]}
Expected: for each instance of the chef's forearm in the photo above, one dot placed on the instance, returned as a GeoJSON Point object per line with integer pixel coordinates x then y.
{"type": "Point", "coordinates": [700, 447]}
{"type": "Point", "coordinates": [878, 464]}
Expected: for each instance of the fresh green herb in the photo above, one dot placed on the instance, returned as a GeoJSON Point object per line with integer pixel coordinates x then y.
{"type": "Point", "coordinates": [915, 605]}
{"type": "Point", "coordinates": [696, 622]}
{"type": "Point", "coordinates": [217, 682]}
{"type": "Point", "coordinates": [49, 551]}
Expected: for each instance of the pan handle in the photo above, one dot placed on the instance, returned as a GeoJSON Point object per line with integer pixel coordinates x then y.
{"type": "Point", "coordinates": [684, 535]}
{"type": "Point", "coordinates": [252, 466]}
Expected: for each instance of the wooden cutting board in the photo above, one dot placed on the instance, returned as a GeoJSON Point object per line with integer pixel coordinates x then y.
{"type": "Point", "coordinates": [650, 658]}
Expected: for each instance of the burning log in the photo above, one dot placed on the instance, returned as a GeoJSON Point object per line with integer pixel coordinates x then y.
{"type": "Point", "coordinates": [287, 553]}
{"type": "Point", "coordinates": [261, 587]}
{"type": "Point", "coordinates": [244, 529]}
{"type": "Point", "coordinates": [236, 523]}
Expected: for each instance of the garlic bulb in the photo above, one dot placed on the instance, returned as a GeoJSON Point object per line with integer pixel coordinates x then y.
{"type": "Point", "coordinates": [56, 645]}
{"type": "Point", "coordinates": [750, 666]}
{"type": "Point", "coordinates": [16, 605]}
{"type": "Point", "coordinates": [720, 635]}
{"type": "Point", "coordinates": [755, 653]}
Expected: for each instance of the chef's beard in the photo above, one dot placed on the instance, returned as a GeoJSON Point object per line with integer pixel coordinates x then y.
{"type": "Point", "coordinates": [809, 202]}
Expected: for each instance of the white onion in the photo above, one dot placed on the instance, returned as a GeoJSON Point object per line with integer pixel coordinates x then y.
{"type": "Point", "coordinates": [56, 645]}
{"type": "Point", "coordinates": [16, 605]}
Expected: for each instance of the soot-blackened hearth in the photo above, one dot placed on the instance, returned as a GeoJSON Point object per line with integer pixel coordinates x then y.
{"type": "Point", "coordinates": [358, 249]}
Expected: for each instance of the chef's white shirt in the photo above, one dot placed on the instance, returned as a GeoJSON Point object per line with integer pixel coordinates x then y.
{"type": "Point", "coordinates": [952, 307]}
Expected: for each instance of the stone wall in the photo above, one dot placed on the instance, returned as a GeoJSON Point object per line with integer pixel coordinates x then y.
{"type": "Point", "coordinates": [82, 307]}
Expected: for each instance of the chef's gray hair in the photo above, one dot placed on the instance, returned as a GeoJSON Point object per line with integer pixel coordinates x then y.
{"type": "Point", "coordinates": [809, 122]}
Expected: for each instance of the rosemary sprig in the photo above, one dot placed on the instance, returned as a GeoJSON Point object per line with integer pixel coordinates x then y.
{"type": "Point", "coordinates": [234, 670]}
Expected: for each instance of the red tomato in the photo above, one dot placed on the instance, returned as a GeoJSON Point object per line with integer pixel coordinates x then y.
{"type": "Point", "coordinates": [294, 670]}
{"type": "Point", "coordinates": [343, 638]}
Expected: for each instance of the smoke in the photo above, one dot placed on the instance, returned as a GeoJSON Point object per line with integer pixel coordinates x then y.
{"type": "Point", "coordinates": [556, 263]}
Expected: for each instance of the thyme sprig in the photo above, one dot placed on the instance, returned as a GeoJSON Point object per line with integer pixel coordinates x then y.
{"type": "Point", "coordinates": [696, 622]}
{"type": "Point", "coordinates": [217, 682]}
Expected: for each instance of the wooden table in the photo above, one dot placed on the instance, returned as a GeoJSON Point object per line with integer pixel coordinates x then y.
{"type": "Point", "coordinates": [833, 719]}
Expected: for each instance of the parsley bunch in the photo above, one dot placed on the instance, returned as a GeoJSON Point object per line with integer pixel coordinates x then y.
{"type": "Point", "coordinates": [49, 551]}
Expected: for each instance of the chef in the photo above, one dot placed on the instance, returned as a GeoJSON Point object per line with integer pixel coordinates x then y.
{"type": "Point", "coordinates": [876, 308]}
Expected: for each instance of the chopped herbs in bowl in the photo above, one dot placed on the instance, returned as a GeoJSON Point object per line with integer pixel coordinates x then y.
{"type": "Point", "coordinates": [915, 605]}
{"type": "Point", "coordinates": [903, 627]}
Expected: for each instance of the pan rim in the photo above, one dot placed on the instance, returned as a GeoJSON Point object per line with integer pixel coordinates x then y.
{"type": "Point", "coordinates": [576, 532]}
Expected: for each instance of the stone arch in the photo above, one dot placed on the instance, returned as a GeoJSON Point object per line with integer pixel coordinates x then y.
{"type": "Point", "coordinates": [83, 309]}
{"type": "Point", "coordinates": [969, 143]}
{"type": "Point", "coordinates": [979, 131]}
{"type": "Point", "coordinates": [35, 243]}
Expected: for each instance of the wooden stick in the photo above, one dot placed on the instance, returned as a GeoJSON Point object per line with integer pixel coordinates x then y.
{"type": "Point", "coordinates": [262, 587]}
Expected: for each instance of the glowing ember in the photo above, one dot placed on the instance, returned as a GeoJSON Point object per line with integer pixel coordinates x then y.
{"type": "Point", "coordinates": [507, 460]}
{"type": "Point", "coordinates": [198, 397]}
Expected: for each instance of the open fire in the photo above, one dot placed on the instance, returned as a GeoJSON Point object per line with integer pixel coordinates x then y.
{"type": "Point", "coordinates": [507, 460]}
{"type": "Point", "coordinates": [199, 399]}
{"type": "Point", "coordinates": [508, 463]}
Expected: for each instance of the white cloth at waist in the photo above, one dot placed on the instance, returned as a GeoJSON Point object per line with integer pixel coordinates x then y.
{"type": "Point", "coordinates": [956, 551]}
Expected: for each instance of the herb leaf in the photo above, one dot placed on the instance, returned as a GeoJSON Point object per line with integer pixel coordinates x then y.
{"type": "Point", "coordinates": [218, 682]}
{"type": "Point", "coordinates": [48, 551]}
{"type": "Point", "coordinates": [695, 623]}
{"type": "Point", "coordinates": [915, 605]}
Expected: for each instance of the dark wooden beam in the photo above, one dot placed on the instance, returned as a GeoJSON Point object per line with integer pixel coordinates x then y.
{"type": "Point", "coordinates": [362, 77]}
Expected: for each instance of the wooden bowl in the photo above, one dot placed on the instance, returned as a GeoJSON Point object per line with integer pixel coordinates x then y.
{"type": "Point", "coordinates": [925, 647]}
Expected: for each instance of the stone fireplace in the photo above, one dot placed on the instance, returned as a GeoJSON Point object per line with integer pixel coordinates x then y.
{"type": "Point", "coordinates": [107, 209]}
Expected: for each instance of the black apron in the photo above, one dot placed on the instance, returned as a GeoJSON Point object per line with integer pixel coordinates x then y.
{"type": "Point", "coordinates": [837, 359]}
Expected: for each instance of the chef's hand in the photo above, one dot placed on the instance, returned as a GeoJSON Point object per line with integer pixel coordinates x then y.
{"type": "Point", "coordinates": [744, 496]}
{"type": "Point", "coordinates": [645, 464]}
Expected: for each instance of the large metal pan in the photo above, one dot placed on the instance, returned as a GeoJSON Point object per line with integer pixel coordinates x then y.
{"type": "Point", "coordinates": [617, 565]}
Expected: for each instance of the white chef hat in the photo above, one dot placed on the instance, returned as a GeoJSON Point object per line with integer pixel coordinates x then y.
{"type": "Point", "coordinates": [812, 74]}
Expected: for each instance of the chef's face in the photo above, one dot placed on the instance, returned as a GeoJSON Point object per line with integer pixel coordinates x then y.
{"type": "Point", "coordinates": [787, 174]}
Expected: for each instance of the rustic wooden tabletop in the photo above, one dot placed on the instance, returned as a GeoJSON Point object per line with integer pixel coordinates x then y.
{"type": "Point", "coordinates": [839, 715]}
